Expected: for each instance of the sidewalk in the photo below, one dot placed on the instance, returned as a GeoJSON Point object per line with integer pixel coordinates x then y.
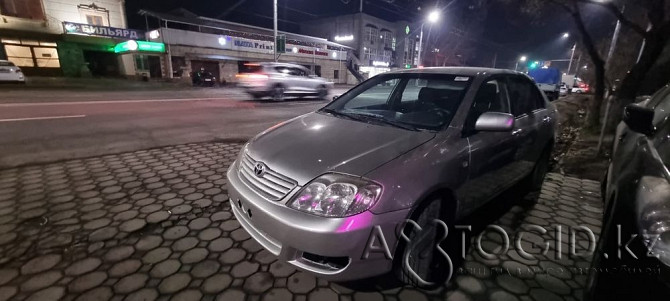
{"type": "Point", "coordinates": [96, 84]}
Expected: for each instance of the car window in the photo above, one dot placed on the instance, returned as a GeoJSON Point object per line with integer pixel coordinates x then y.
{"type": "Point", "coordinates": [423, 101]}
{"type": "Point", "coordinates": [662, 142]}
{"type": "Point", "coordinates": [6, 64]}
{"type": "Point", "coordinates": [283, 70]}
{"type": "Point", "coordinates": [661, 109]}
{"type": "Point", "coordinates": [522, 96]}
{"type": "Point", "coordinates": [491, 97]}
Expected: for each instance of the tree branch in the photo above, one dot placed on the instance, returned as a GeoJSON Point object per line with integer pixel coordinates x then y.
{"type": "Point", "coordinates": [612, 8]}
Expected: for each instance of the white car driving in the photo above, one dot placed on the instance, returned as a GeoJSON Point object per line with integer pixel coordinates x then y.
{"type": "Point", "coordinates": [278, 80]}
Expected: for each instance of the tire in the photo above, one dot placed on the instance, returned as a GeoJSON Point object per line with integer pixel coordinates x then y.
{"type": "Point", "coordinates": [421, 254]}
{"type": "Point", "coordinates": [534, 180]}
{"type": "Point", "coordinates": [278, 93]}
{"type": "Point", "coordinates": [322, 92]}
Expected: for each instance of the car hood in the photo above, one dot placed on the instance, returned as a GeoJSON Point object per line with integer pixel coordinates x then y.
{"type": "Point", "coordinates": [310, 145]}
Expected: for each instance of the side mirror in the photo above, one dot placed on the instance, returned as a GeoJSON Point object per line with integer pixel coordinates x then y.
{"type": "Point", "coordinates": [639, 119]}
{"type": "Point", "coordinates": [336, 97]}
{"type": "Point", "coordinates": [495, 122]}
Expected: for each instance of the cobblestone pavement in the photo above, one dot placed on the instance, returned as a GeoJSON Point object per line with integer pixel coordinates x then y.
{"type": "Point", "coordinates": [156, 224]}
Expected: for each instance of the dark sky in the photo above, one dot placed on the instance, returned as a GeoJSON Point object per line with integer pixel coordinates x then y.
{"type": "Point", "coordinates": [507, 33]}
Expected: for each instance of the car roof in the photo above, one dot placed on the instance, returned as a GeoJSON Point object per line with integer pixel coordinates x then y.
{"type": "Point", "coordinates": [465, 71]}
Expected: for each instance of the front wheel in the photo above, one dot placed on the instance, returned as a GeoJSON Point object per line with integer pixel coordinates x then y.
{"type": "Point", "coordinates": [421, 261]}
{"type": "Point", "coordinates": [322, 92]}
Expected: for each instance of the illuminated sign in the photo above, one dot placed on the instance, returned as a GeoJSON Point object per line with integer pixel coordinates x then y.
{"type": "Point", "coordinates": [102, 31]}
{"type": "Point", "coordinates": [344, 38]}
{"type": "Point", "coordinates": [133, 45]}
{"type": "Point", "coordinates": [407, 29]}
{"type": "Point", "coordinates": [380, 64]}
{"type": "Point", "coordinates": [154, 34]}
{"type": "Point", "coordinates": [315, 52]}
{"type": "Point", "coordinates": [222, 41]}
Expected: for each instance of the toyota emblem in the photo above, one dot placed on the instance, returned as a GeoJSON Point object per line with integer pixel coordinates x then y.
{"type": "Point", "coordinates": [259, 169]}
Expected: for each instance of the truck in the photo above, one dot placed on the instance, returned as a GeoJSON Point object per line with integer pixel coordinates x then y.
{"type": "Point", "coordinates": [548, 79]}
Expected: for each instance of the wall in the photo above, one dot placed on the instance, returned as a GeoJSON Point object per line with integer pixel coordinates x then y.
{"type": "Point", "coordinates": [58, 11]}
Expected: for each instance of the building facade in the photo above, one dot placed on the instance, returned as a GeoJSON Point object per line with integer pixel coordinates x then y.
{"type": "Point", "coordinates": [223, 48]}
{"type": "Point", "coordinates": [68, 37]}
{"type": "Point", "coordinates": [379, 45]}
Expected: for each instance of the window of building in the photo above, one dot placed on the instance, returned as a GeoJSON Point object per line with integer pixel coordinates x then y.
{"type": "Point", "coordinates": [31, 53]}
{"type": "Point", "coordinates": [141, 63]}
{"type": "Point", "coordinates": [336, 74]}
{"type": "Point", "coordinates": [94, 20]}
{"type": "Point", "coordinates": [20, 55]}
{"type": "Point", "coordinates": [367, 53]}
{"type": "Point", "coordinates": [387, 39]}
{"type": "Point", "coordinates": [46, 57]}
{"type": "Point", "coordinates": [27, 9]}
{"type": "Point", "coordinates": [371, 34]}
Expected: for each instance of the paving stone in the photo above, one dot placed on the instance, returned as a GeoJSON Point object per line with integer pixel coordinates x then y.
{"type": "Point", "coordinates": [232, 295]}
{"type": "Point", "coordinates": [125, 268]}
{"type": "Point", "coordinates": [103, 234]}
{"type": "Point", "coordinates": [156, 255]}
{"type": "Point", "coordinates": [165, 268]}
{"type": "Point", "coordinates": [199, 223]}
{"type": "Point", "coordinates": [182, 209]}
{"type": "Point", "coordinates": [41, 281]}
{"type": "Point", "coordinates": [216, 283]}
{"type": "Point", "coordinates": [126, 215]}
{"type": "Point", "coordinates": [553, 284]}
{"type": "Point", "coordinates": [544, 295]}
{"type": "Point", "coordinates": [220, 244]}
{"type": "Point", "coordinates": [205, 269]}
{"type": "Point", "coordinates": [148, 242]}
{"type": "Point", "coordinates": [174, 283]}
{"type": "Point", "coordinates": [244, 269]}
{"type": "Point", "coordinates": [277, 294]}
{"type": "Point", "coordinates": [194, 255]}
{"type": "Point", "coordinates": [7, 275]}
{"type": "Point", "coordinates": [230, 225]}
{"type": "Point", "coordinates": [209, 234]}
{"type": "Point", "coordinates": [281, 269]}
{"type": "Point", "coordinates": [48, 294]}
{"type": "Point", "coordinates": [7, 292]}
{"type": "Point", "coordinates": [502, 296]}
{"type": "Point", "coordinates": [40, 264]}
{"type": "Point", "coordinates": [145, 294]}
{"type": "Point", "coordinates": [185, 243]}
{"type": "Point", "coordinates": [188, 295]}
{"type": "Point", "coordinates": [470, 284]}
{"type": "Point", "coordinates": [512, 284]}
{"type": "Point", "coordinates": [87, 281]}
{"type": "Point", "coordinates": [132, 225]}
{"type": "Point", "coordinates": [300, 283]}
{"type": "Point", "coordinates": [258, 283]}
{"type": "Point", "coordinates": [119, 253]}
{"type": "Point", "coordinates": [157, 217]}
{"type": "Point", "coordinates": [175, 232]}
{"type": "Point", "coordinates": [130, 283]}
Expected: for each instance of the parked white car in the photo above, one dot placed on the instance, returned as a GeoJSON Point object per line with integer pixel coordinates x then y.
{"type": "Point", "coordinates": [278, 80]}
{"type": "Point", "coordinates": [11, 73]}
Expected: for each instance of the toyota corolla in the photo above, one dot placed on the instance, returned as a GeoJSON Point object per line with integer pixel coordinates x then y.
{"type": "Point", "coordinates": [421, 144]}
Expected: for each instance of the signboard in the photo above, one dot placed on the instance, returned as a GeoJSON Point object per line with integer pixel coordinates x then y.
{"type": "Point", "coordinates": [102, 31]}
{"type": "Point", "coordinates": [244, 44]}
{"type": "Point", "coordinates": [133, 45]}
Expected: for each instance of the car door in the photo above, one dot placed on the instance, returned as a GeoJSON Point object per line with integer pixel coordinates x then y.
{"type": "Point", "coordinates": [491, 153]}
{"type": "Point", "coordinates": [532, 124]}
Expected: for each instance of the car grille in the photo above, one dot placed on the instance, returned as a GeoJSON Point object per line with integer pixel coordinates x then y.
{"type": "Point", "coordinates": [272, 185]}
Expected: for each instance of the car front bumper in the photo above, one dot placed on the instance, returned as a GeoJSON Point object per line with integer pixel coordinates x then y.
{"type": "Point", "coordinates": [311, 243]}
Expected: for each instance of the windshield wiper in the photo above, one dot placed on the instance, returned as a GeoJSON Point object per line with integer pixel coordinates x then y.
{"type": "Point", "coordinates": [381, 119]}
{"type": "Point", "coordinates": [342, 114]}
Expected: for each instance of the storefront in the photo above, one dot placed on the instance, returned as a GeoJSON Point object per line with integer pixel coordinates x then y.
{"type": "Point", "coordinates": [35, 56]}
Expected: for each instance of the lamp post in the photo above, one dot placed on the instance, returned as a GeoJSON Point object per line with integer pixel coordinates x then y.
{"type": "Point", "coordinates": [275, 30]}
{"type": "Point", "coordinates": [433, 17]}
{"type": "Point", "coordinates": [572, 56]}
{"type": "Point", "coordinates": [522, 59]}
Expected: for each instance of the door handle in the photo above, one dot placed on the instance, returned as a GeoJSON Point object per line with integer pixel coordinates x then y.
{"type": "Point", "coordinates": [546, 119]}
{"type": "Point", "coordinates": [517, 132]}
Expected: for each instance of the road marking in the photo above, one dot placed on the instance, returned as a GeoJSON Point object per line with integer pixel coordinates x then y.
{"type": "Point", "coordinates": [42, 118]}
{"type": "Point", "coordinates": [104, 102]}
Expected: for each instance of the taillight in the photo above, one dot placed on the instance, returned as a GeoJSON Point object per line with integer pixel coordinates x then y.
{"type": "Point", "coordinates": [253, 76]}
{"type": "Point", "coordinates": [18, 70]}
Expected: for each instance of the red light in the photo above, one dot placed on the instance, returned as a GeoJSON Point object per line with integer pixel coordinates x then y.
{"type": "Point", "coordinates": [252, 64]}
{"type": "Point", "coordinates": [420, 67]}
{"type": "Point", "coordinates": [252, 76]}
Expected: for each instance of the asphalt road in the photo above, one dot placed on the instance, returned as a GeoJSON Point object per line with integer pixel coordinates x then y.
{"type": "Point", "coordinates": [51, 125]}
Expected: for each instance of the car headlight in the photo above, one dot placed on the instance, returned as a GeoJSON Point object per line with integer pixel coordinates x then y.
{"type": "Point", "coordinates": [654, 216]}
{"type": "Point", "coordinates": [335, 195]}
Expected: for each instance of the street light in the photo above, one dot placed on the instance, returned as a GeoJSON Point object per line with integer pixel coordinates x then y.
{"type": "Point", "coordinates": [566, 35]}
{"type": "Point", "coordinates": [433, 17]}
{"type": "Point", "coordinates": [522, 59]}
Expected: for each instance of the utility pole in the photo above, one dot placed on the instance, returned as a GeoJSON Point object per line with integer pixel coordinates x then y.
{"type": "Point", "coordinates": [361, 8]}
{"type": "Point", "coordinates": [275, 30]}
{"type": "Point", "coordinates": [420, 45]}
{"type": "Point", "coordinates": [495, 59]}
{"type": "Point", "coordinates": [572, 56]}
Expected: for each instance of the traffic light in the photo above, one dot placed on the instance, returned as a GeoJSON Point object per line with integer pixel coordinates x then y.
{"type": "Point", "coordinates": [281, 44]}
{"type": "Point", "coordinates": [534, 65]}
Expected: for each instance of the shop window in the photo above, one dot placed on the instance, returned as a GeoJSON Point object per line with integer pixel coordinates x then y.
{"type": "Point", "coordinates": [46, 57]}
{"type": "Point", "coordinates": [26, 9]}
{"type": "Point", "coordinates": [20, 55]}
{"type": "Point", "coordinates": [141, 63]}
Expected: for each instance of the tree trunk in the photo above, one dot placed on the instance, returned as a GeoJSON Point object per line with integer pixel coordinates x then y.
{"type": "Point", "coordinates": [595, 104]}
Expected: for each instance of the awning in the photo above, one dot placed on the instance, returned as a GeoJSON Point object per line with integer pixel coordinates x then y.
{"type": "Point", "coordinates": [216, 57]}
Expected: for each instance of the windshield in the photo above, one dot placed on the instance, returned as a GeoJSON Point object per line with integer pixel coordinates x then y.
{"type": "Point", "coordinates": [418, 101]}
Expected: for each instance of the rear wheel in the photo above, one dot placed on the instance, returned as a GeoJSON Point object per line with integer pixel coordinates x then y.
{"type": "Point", "coordinates": [421, 261]}
{"type": "Point", "coordinates": [278, 92]}
{"type": "Point", "coordinates": [536, 178]}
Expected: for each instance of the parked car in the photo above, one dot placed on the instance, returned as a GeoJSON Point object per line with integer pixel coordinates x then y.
{"type": "Point", "coordinates": [11, 73]}
{"type": "Point", "coordinates": [563, 91]}
{"type": "Point", "coordinates": [636, 194]}
{"type": "Point", "coordinates": [203, 78]}
{"type": "Point", "coordinates": [278, 80]}
{"type": "Point", "coordinates": [425, 144]}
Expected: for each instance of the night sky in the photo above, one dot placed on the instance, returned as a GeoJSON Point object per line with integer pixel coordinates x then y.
{"type": "Point", "coordinates": [506, 32]}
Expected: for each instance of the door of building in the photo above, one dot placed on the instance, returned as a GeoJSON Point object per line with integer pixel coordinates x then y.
{"type": "Point", "coordinates": [209, 66]}
{"type": "Point", "coordinates": [155, 70]}
{"type": "Point", "coordinates": [102, 63]}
